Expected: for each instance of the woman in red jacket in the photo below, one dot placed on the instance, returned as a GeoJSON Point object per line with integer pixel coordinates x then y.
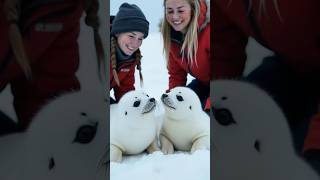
{"type": "Point", "coordinates": [292, 75]}
{"type": "Point", "coordinates": [129, 28]}
{"type": "Point", "coordinates": [186, 39]}
{"type": "Point", "coordinates": [39, 53]}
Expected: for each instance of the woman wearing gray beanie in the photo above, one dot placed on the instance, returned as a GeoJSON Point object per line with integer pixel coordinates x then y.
{"type": "Point", "coordinates": [128, 29]}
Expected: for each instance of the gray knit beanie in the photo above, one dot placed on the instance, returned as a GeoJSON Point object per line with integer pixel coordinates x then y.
{"type": "Point", "coordinates": [130, 18]}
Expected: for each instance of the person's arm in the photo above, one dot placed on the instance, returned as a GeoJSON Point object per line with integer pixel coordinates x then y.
{"type": "Point", "coordinates": [38, 36]}
{"type": "Point", "coordinates": [228, 46]}
{"type": "Point", "coordinates": [312, 141]}
{"type": "Point", "coordinates": [177, 75]}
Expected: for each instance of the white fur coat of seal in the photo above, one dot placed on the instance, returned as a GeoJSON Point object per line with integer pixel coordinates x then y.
{"type": "Point", "coordinates": [133, 125]}
{"type": "Point", "coordinates": [251, 138]}
{"type": "Point", "coordinates": [186, 126]}
{"type": "Point", "coordinates": [66, 140]}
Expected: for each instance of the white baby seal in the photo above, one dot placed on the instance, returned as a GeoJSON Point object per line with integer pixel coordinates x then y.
{"type": "Point", "coordinates": [251, 138]}
{"type": "Point", "coordinates": [67, 139]}
{"type": "Point", "coordinates": [133, 127]}
{"type": "Point", "coordinates": [186, 126]}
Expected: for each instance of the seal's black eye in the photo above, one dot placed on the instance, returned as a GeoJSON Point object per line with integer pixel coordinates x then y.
{"type": "Point", "coordinates": [257, 145]}
{"type": "Point", "coordinates": [51, 164]}
{"type": "Point", "coordinates": [147, 95]}
{"type": "Point", "coordinates": [136, 104]}
{"type": "Point", "coordinates": [223, 116]}
{"type": "Point", "coordinates": [86, 133]}
{"type": "Point", "coordinates": [180, 98]}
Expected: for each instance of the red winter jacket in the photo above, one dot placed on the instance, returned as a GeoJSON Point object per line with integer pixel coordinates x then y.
{"type": "Point", "coordinates": [125, 72]}
{"type": "Point", "coordinates": [292, 31]}
{"type": "Point", "coordinates": [313, 138]}
{"type": "Point", "coordinates": [294, 34]}
{"type": "Point", "coordinates": [50, 32]}
{"type": "Point", "coordinates": [178, 69]}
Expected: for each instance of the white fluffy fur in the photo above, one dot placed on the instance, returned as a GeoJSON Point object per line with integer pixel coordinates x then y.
{"type": "Point", "coordinates": [257, 119]}
{"type": "Point", "coordinates": [185, 124]}
{"type": "Point", "coordinates": [51, 135]}
{"type": "Point", "coordinates": [132, 129]}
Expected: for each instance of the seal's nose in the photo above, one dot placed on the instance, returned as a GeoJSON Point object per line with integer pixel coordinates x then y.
{"type": "Point", "coordinates": [152, 100]}
{"type": "Point", "coordinates": [164, 96]}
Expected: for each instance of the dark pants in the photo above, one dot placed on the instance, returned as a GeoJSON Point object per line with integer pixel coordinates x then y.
{"type": "Point", "coordinates": [297, 96]}
{"type": "Point", "coordinates": [201, 90]}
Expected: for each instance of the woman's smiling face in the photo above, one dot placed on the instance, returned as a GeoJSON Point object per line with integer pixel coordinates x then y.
{"type": "Point", "coordinates": [129, 42]}
{"type": "Point", "coordinates": [178, 14]}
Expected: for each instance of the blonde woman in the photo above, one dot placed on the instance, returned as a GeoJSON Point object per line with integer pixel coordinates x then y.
{"type": "Point", "coordinates": [128, 30]}
{"type": "Point", "coordinates": [292, 75]}
{"type": "Point", "coordinates": [186, 37]}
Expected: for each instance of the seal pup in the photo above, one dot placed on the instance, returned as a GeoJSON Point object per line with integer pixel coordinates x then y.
{"type": "Point", "coordinates": [133, 126]}
{"type": "Point", "coordinates": [186, 126]}
{"type": "Point", "coordinates": [251, 138]}
{"type": "Point", "coordinates": [67, 139]}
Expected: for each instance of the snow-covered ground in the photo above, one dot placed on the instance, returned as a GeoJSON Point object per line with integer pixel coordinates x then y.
{"type": "Point", "coordinates": [157, 166]}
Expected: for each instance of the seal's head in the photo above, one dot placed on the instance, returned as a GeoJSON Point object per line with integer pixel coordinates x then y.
{"type": "Point", "coordinates": [248, 126]}
{"type": "Point", "coordinates": [68, 139]}
{"type": "Point", "coordinates": [181, 103]}
{"type": "Point", "coordinates": [136, 105]}
{"type": "Point", "coordinates": [244, 114]}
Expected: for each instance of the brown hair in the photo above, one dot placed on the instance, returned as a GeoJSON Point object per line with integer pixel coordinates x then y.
{"type": "Point", "coordinates": [92, 19]}
{"type": "Point", "coordinates": [114, 62]}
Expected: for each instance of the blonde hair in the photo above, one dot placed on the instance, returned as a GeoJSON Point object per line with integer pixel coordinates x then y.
{"type": "Point", "coordinates": [12, 10]}
{"type": "Point", "coordinates": [190, 42]}
{"type": "Point", "coordinates": [262, 8]}
{"type": "Point", "coordinates": [114, 62]}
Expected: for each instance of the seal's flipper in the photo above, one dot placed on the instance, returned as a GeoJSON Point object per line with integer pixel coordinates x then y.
{"type": "Point", "coordinates": [153, 147]}
{"type": "Point", "coordinates": [166, 145]}
{"type": "Point", "coordinates": [115, 153]}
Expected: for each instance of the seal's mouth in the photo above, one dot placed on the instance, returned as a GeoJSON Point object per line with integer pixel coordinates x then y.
{"type": "Point", "coordinates": [167, 101]}
{"type": "Point", "coordinates": [149, 106]}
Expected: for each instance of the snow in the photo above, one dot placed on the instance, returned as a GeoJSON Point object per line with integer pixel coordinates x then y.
{"type": "Point", "coordinates": [156, 166]}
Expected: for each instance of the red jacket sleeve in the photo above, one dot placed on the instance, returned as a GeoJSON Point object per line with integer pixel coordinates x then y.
{"type": "Point", "coordinates": [312, 141]}
{"type": "Point", "coordinates": [228, 46]}
{"type": "Point", "coordinates": [177, 75]}
{"type": "Point", "coordinates": [208, 104]}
